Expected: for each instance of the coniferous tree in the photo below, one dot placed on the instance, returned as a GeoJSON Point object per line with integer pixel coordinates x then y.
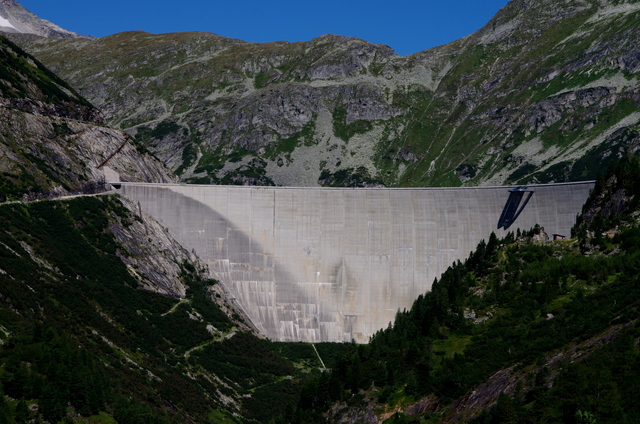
{"type": "Point", "coordinates": [52, 403]}
{"type": "Point", "coordinates": [22, 415]}
{"type": "Point", "coordinates": [5, 413]}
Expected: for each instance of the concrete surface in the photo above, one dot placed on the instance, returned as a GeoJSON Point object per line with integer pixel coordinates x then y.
{"type": "Point", "coordinates": [324, 264]}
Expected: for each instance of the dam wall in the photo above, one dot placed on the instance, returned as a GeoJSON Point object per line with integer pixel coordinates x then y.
{"type": "Point", "coordinates": [327, 264]}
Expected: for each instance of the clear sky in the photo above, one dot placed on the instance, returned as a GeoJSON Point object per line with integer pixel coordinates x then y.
{"type": "Point", "coordinates": [408, 26]}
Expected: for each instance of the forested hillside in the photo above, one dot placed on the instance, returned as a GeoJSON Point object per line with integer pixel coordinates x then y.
{"type": "Point", "coordinates": [525, 330]}
{"type": "Point", "coordinates": [82, 341]}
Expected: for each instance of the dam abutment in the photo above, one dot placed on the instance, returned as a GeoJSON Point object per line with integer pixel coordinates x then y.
{"type": "Point", "coordinates": [335, 264]}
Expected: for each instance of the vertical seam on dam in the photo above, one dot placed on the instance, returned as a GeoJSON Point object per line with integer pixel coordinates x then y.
{"type": "Point", "coordinates": [337, 264]}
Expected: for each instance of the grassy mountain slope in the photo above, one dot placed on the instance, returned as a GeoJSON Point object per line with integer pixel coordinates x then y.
{"type": "Point", "coordinates": [546, 91]}
{"type": "Point", "coordinates": [53, 139]}
{"type": "Point", "coordinates": [525, 330]}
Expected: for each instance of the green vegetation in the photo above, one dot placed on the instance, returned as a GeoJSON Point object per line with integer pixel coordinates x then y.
{"type": "Point", "coordinates": [161, 130]}
{"type": "Point", "coordinates": [215, 160]}
{"type": "Point", "coordinates": [346, 130]}
{"type": "Point", "coordinates": [591, 164]}
{"type": "Point", "coordinates": [348, 177]}
{"type": "Point", "coordinates": [530, 302]}
{"type": "Point", "coordinates": [83, 342]}
{"type": "Point", "coordinates": [262, 79]}
{"type": "Point", "coordinates": [14, 185]}
{"type": "Point", "coordinates": [189, 154]}
{"type": "Point", "coordinates": [286, 146]}
{"type": "Point", "coordinates": [18, 69]}
{"type": "Point", "coordinates": [252, 173]}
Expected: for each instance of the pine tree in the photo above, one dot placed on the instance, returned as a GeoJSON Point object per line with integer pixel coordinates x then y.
{"type": "Point", "coordinates": [5, 413]}
{"type": "Point", "coordinates": [52, 403]}
{"type": "Point", "coordinates": [22, 412]}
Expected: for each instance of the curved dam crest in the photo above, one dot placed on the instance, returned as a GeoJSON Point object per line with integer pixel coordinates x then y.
{"type": "Point", "coordinates": [327, 264]}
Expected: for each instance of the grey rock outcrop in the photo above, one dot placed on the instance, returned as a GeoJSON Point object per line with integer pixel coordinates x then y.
{"type": "Point", "coordinates": [539, 94]}
{"type": "Point", "coordinates": [53, 139]}
{"type": "Point", "coordinates": [20, 20]}
{"type": "Point", "coordinates": [156, 260]}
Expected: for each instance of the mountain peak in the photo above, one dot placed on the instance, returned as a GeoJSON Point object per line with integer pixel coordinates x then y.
{"type": "Point", "coordinates": [14, 18]}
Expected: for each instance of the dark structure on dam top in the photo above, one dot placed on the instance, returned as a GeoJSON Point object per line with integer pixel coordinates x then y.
{"type": "Point", "coordinates": [514, 207]}
{"type": "Point", "coordinates": [324, 264]}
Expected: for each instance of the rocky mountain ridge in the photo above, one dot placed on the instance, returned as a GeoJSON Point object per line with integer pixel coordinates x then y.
{"type": "Point", "coordinates": [14, 18]}
{"type": "Point", "coordinates": [68, 143]}
{"type": "Point", "coordinates": [546, 91]}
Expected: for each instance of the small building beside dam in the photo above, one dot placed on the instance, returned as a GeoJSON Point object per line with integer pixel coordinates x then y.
{"type": "Point", "coordinates": [336, 264]}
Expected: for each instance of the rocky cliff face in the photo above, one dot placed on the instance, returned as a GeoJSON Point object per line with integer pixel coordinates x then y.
{"type": "Point", "coordinates": [156, 260]}
{"type": "Point", "coordinates": [546, 91]}
{"type": "Point", "coordinates": [17, 19]}
{"type": "Point", "coordinates": [51, 138]}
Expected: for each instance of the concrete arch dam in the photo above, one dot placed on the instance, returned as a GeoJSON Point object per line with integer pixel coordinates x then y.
{"type": "Point", "coordinates": [324, 264]}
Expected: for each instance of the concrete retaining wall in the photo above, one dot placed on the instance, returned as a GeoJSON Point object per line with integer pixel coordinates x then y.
{"type": "Point", "coordinates": [315, 264]}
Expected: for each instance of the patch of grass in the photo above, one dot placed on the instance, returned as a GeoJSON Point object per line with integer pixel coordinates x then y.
{"type": "Point", "coordinates": [592, 163]}
{"type": "Point", "coordinates": [220, 416]}
{"type": "Point", "coordinates": [448, 347]}
{"type": "Point", "coordinates": [344, 130]}
{"type": "Point", "coordinates": [189, 154]}
{"type": "Point", "coordinates": [262, 79]}
{"type": "Point", "coordinates": [161, 130]}
{"type": "Point", "coordinates": [519, 176]}
{"type": "Point", "coordinates": [101, 418]}
{"type": "Point", "coordinates": [348, 177]}
{"type": "Point", "coordinates": [288, 145]}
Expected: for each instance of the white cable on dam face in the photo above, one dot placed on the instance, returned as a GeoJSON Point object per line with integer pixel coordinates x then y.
{"type": "Point", "coordinates": [326, 264]}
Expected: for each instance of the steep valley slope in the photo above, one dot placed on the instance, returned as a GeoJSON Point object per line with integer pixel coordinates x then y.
{"type": "Point", "coordinates": [104, 317]}
{"type": "Point", "coordinates": [546, 91]}
{"type": "Point", "coordinates": [525, 330]}
{"type": "Point", "coordinates": [51, 138]}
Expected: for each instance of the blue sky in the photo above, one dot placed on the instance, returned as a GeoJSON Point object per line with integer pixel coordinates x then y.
{"type": "Point", "coordinates": [408, 26]}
